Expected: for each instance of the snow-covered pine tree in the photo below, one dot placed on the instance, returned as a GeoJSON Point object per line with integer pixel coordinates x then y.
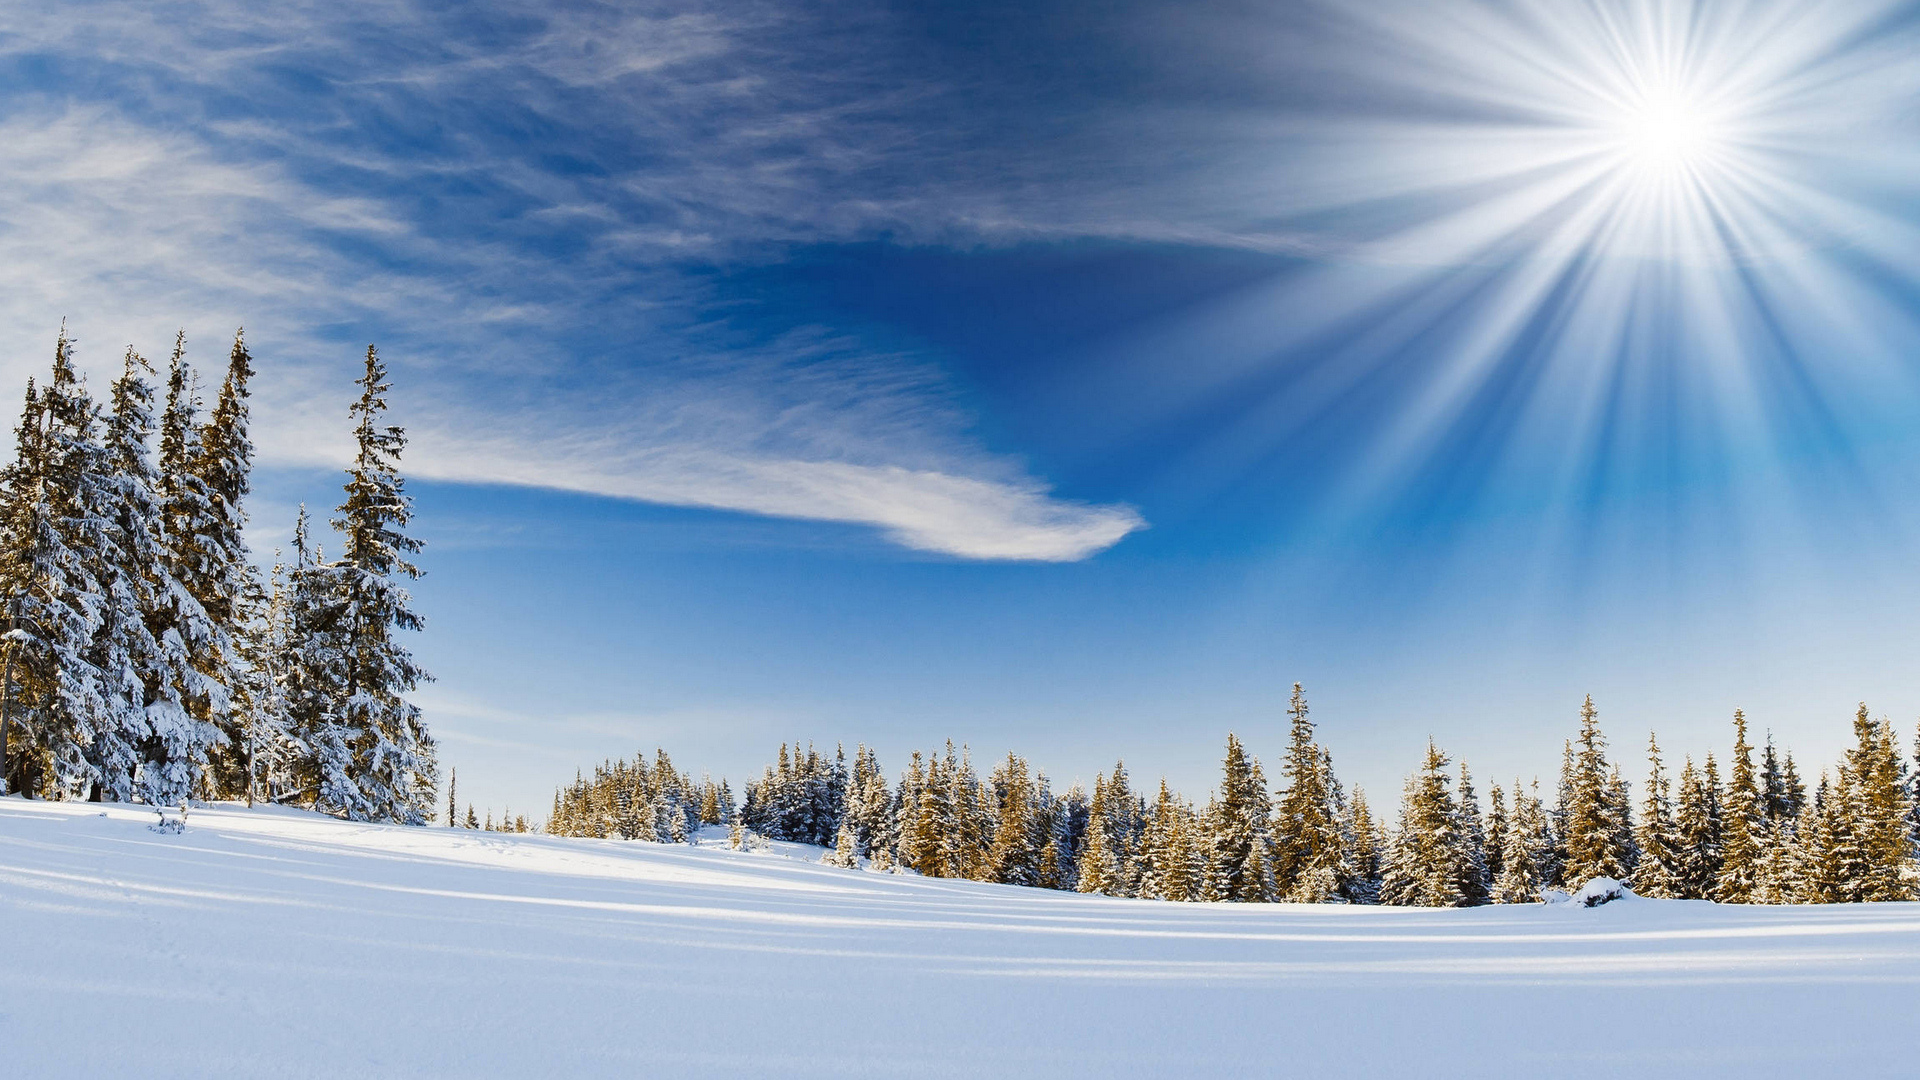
{"type": "Point", "coordinates": [1697, 823]}
{"type": "Point", "coordinates": [1559, 815]}
{"type": "Point", "coordinates": [1596, 823]}
{"type": "Point", "coordinates": [74, 716]}
{"type": "Point", "coordinates": [1620, 806]}
{"type": "Point", "coordinates": [1525, 850]}
{"type": "Point", "coordinates": [971, 838]}
{"type": "Point", "coordinates": [1099, 865]}
{"type": "Point", "coordinates": [26, 569]}
{"type": "Point", "coordinates": [175, 745]}
{"type": "Point", "coordinates": [1014, 859]}
{"type": "Point", "coordinates": [1367, 848]}
{"type": "Point", "coordinates": [1307, 847]}
{"type": "Point", "coordinates": [1879, 808]}
{"type": "Point", "coordinates": [1779, 880]}
{"type": "Point", "coordinates": [193, 538]}
{"type": "Point", "coordinates": [1473, 881]}
{"type": "Point", "coordinates": [1237, 830]}
{"type": "Point", "coordinates": [375, 757]}
{"type": "Point", "coordinates": [1660, 872]}
{"type": "Point", "coordinates": [1165, 873]}
{"type": "Point", "coordinates": [843, 853]}
{"type": "Point", "coordinates": [1743, 824]}
{"type": "Point", "coordinates": [1496, 833]}
{"type": "Point", "coordinates": [878, 828]}
{"type": "Point", "coordinates": [1124, 821]}
{"type": "Point", "coordinates": [1423, 864]}
{"type": "Point", "coordinates": [1780, 785]}
{"type": "Point", "coordinates": [908, 845]}
{"type": "Point", "coordinates": [1913, 793]}
{"type": "Point", "coordinates": [226, 583]}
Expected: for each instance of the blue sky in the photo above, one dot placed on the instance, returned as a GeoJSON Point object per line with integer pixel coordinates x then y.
{"type": "Point", "coordinates": [1053, 377]}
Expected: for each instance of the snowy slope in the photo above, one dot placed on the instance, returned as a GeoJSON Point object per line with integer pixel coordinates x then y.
{"type": "Point", "coordinates": [277, 943]}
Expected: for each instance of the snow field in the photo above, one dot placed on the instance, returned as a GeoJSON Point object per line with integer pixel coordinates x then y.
{"type": "Point", "coordinates": [279, 943]}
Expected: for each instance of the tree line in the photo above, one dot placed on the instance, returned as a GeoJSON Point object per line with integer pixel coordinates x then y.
{"type": "Point", "coordinates": [147, 658]}
{"type": "Point", "coordinates": [1757, 837]}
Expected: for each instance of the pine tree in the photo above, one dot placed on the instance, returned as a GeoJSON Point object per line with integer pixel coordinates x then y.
{"type": "Point", "coordinates": [1472, 878]}
{"type": "Point", "coordinates": [1306, 834]}
{"type": "Point", "coordinates": [1876, 803]}
{"type": "Point", "coordinates": [1660, 873]}
{"type": "Point", "coordinates": [969, 832]}
{"type": "Point", "coordinates": [74, 717]}
{"type": "Point", "coordinates": [1368, 847]}
{"type": "Point", "coordinates": [1423, 865]}
{"type": "Point", "coordinates": [1596, 824]}
{"type": "Point", "coordinates": [1099, 864]}
{"type": "Point", "coordinates": [919, 815]}
{"type": "Point", "coordinates": [1779, 880]}
{"type": "Point", "coordinates": [1238, 831]}
{"type": "Point", "coordinates": [26, 572]}
{"type": "Point", "coordinates": [1525, 850]}
{"type": "Point", "coordinates": [1496, 833]}
{"type": "Point", "coordinates": [148, 676]}
{"type": "Point", "coordinates": [1743, 818]}
{"type": "Point", "coordinates": [1698, 826]}
{"type": "Point", "coordinates": [1014, 858]}
{"type": "Point", "coordinates": [226, 584]}
{"type": "Point", "coordinates": [192, 535]}
{"type": "Point", "coordinates": [376, 760]}
{"type": "Point", "coordinates": [843, 854]}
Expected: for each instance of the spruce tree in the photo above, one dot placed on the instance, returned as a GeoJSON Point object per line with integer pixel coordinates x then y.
{"type": "Point", "coordinates": [1743, 824]}
{"type": "Point", "coordinates": [1238, 831]}
{"type": "Point", "coordinates": [1697, 823]}
{"type": "Point", "coordinates": [154, 614]}
{"type": "Point", "coordinates": [1496, 833]}
{"type": "Point", "coordinates": [1876, 804]}
{"type": "Point", "coordinates": [193, 535]}
{"type": "Point", "coordinates": [226, 584]}
{"type": "Point", "coordinates": [1099, 863]}
{"type": "Point", "coordinates": [1525, 850]}
{"type": "Point", "coordinates": [26, 570]}
{"type": "Point", "coordinates": [1368, 847]}
{"type": "Point", "coordinates": [80, 734]}
{"type": "Point", "coordinates": [1306, 836]}
{"type": "Point", "coordinates": [1014, 858]}
{"type": "Point", "coordinates": [1596, 823]}
{"type": "Point", "coordinates": [1473, 881]}
{"type": "Point", "coordinates": [1660, 873]}
{"type": "Point", "coordinates": [375, 759]}
{"type": "Point", "coordinates": [1423, 866]}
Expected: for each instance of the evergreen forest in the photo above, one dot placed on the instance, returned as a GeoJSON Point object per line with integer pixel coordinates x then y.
{"type": "Point", "coordinates": [1758, 835]}
{"type": "Point", "coordinates": [148, 658]}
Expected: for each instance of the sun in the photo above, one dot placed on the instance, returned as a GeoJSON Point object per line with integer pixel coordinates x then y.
{"type": "Point", "coordinates": [1662, 131]}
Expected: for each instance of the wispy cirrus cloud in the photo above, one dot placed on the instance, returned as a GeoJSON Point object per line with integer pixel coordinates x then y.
{"type": "Point", "coordinates": [519, 205]}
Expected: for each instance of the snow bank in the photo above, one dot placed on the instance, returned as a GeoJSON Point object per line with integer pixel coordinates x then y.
{"type": "Point", "coordinates": [275, 943]}
{"type": "Point", "coordinates": [1601, 890]}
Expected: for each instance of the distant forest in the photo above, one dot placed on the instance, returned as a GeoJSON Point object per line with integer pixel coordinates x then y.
{"type": "Point", "coordinates": [1758, 836]}
{"type": "Point", "coordinates": [146, 657]}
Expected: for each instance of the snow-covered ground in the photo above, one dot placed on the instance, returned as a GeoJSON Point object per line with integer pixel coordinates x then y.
{"type": "Point", "coordinates": [276, 943]}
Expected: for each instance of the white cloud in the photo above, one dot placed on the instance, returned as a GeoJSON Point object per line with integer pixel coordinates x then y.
{"type": "Point", "coordinates": [918, 508]}
{"type": "Point", "coordinates": [133, 227]}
